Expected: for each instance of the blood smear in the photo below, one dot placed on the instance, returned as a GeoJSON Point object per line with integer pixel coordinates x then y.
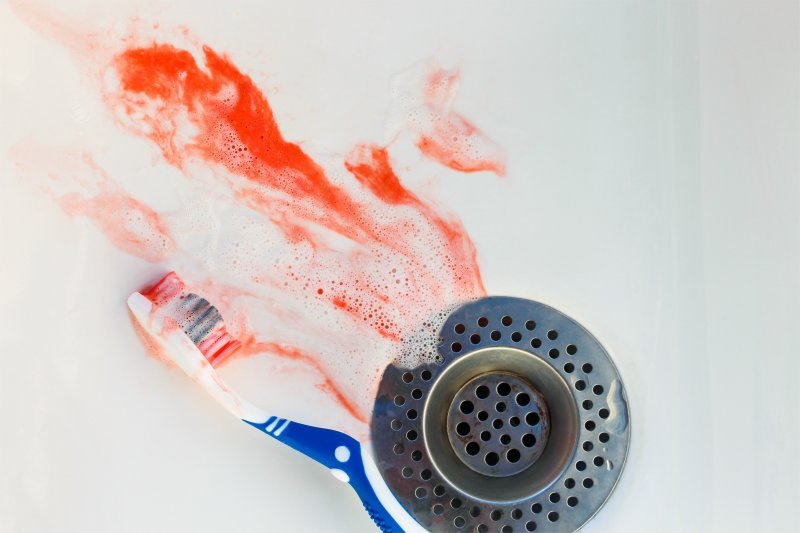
{"type": "Point", "coordinates": [335, 265]}
{"type": "Point", "coordinates": [218, 115]}
{"type": "Point", "coordinates": [440, 132]}
{"type": "Point", "coordinates": [129, 224]}
{"type": "Point", "coordinates": [451, 139]}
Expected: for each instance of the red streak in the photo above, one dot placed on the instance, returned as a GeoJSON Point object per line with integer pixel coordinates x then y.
{"type": "Point", "coordinates": [236, 124]}
{"type": "Point", "coordinates": [370, 165]}
{"type": "Point", "coordinates": [252, 346]}
{"type": "Point", "coordinates": [151, 344]}
{"type": "Point", "coordinates": [402, 261]}
{"type": "Point", "coordinates": [164, 87]}
{"type": "Point", "coordinates": [128, 223]}
{"type": "Point", "coordinates": [150, 242]}
{"type": "Point", "coordinates": [453, 140]}
{"type": "Point", "coordinates": [165, 290]}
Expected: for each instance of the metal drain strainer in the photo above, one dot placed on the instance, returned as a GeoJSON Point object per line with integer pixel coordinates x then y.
{"type": "Point", "coordinates": [498, 424]}
{"type": "Point", "coordinates": [520, 424]}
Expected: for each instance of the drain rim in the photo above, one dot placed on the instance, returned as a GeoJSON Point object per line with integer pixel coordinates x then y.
{"type": "Point", "coordinates": [545, 512]}
{"type": "Point", "coordinates": [524, 484]}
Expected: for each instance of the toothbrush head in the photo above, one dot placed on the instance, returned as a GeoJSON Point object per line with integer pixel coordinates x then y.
{"type": "Point", "coordinates": [200, 321]}
{"type": "Point", "coordinates": [190, 333]}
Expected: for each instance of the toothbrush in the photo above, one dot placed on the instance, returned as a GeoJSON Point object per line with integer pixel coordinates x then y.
{"type": "Point", "coordinates": [191, 333]}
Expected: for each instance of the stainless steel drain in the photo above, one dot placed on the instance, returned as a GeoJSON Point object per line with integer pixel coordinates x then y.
{"type": "Point", "coordinates": [498, 424]}
{"type": "Point", "coordinates": [520, 423]}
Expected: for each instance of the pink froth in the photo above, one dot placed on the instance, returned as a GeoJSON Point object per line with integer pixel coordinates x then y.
{"type": "Point", "coordinates": [129, 224]}
{"type": "Point", "coordinates": [450, 138]}
{"type": "Point", "coordinates": [356, 264]}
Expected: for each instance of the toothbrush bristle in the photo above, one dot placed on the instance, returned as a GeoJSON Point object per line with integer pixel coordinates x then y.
{"type": "Point", "coordinates": [198, 319]}
{"type": "Point", "coordinates": [167, 288]}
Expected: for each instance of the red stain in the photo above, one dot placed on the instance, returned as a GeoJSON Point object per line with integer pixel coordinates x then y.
{"type": "Point", "coordinates": [150, 343]}
{"type": "Point", "coordinates": [164, 87]}
{"type": "Point", "coordinates": [251, 346]}
{"type": "Point", "coordinates": [169, 288]}
{"type": "Point", "coordinates": [370, 165]}
{"type": "Point", "coordinates": [452, 140]}
{"type": "Point", "coordinates": [403, 261]}
{"type": "Point", "coordinates": [128, 223]}
{"type": "Point", "coordinates": [236, 128]}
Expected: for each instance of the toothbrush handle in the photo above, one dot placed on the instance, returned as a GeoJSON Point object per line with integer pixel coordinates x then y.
{"type": "Point", "coordinates": [342, 454]}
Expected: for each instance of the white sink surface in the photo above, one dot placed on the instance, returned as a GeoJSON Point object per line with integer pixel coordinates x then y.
{"type": "Point", "coordinates": [651, 193]}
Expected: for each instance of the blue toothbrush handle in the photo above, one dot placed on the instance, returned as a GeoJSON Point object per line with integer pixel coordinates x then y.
{"type": "Point", "coordinates": [342, 454]}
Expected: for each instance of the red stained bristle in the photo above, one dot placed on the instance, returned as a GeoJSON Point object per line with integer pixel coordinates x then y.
{"type": "Point", "coordinates": [169, 287]}
{"type": "Point", "coordinates": [218, 346]}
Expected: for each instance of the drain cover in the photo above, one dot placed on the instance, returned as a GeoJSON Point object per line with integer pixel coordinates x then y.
{"type": "Point", "coordinates": [520, 424]}
{"type": "Point", "coordinates": [498, 424]}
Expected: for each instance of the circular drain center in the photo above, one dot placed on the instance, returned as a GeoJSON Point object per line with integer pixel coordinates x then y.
{"type": "Point", "coordinates": [498, 424]}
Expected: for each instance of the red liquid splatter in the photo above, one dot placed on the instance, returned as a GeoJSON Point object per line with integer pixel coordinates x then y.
{"type": "Point", "coordinates": [452, 140]}
{"type": "Point", "coordinates": [129, 224]}
{"type": "Point", "coordinates": [165, 89]}
{"type": "Point", "coordinates": [402, 263]}
{"type": "Point", "coordinates": [252, 346]}
{"type": "Point", "coordinates": [161, 84]}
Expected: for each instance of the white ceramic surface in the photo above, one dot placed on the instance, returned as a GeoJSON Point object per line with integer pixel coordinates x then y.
{"type": "Point", "coordinates": [652, 192]}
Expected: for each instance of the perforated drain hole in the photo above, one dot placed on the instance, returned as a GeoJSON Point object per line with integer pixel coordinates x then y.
{"type": "Point", "coordinates": [492, 436]}
{"type": "Point", "coordinates": [498, 424]}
